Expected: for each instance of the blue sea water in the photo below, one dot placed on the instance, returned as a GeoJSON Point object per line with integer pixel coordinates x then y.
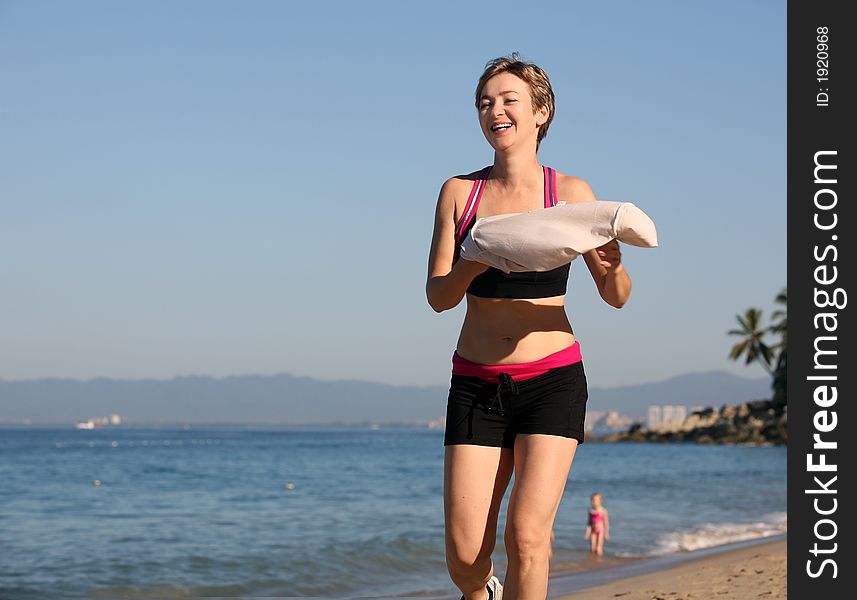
{"type": "Point", "coordinates": [252, 512]}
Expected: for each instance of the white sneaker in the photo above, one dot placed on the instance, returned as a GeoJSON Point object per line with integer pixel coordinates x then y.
{"type": "Point", "coordinates": [495, 589]}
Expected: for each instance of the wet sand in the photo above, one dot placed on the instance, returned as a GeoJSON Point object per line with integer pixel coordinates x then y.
{"type": "Point", "coordinates": [748, 573]}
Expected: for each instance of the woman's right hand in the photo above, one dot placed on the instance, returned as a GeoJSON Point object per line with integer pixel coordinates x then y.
{"type": "Point", "coordinates": [446, 291]}
{"type": "Point", "coordinates": [470, 268]}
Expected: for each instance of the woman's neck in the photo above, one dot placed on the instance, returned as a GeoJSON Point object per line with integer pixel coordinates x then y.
{"type": "Point", "coordinates": [517, 171]}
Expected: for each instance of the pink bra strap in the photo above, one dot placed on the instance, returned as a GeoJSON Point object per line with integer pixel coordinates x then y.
{"type": "Point", "coordinates": [547, 175]}
{"type": "Point", "coordinates": [553, 187]}
{"type": "Point", "coordinates": [472, 203]}
{"type": "Point", "coordinates": [550, 187]}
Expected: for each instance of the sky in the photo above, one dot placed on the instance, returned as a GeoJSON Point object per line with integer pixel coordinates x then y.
{"type": "Point", "coordinates": [224, 188]}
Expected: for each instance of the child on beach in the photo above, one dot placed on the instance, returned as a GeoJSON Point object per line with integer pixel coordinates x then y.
{"type": "Point", "coordinates": [597, 525]}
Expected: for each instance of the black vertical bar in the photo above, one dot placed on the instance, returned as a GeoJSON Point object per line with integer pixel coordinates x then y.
{"type": "Point", "coordinates": [822, 223]}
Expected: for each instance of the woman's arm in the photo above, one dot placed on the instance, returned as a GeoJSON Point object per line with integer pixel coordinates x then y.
{"type": "Point", "coordinates": [447, 282]}
{"type": "Point", "coordinates": [606, 525]}
{"type": "Point", "coordinates": [608, 272]}
{"type": "Point", "coordinates": [605, 263]}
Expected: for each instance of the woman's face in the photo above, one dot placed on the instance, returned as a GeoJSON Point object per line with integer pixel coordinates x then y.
{"type": "Point", "coordinates": [506, 113]}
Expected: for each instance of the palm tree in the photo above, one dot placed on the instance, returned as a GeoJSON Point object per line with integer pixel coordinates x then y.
{"type": "Point", "coordinates": [752, 346]}
{"type": "Point", "coordinates": [780, 328]}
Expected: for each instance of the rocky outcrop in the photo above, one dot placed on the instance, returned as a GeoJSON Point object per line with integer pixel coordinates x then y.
{"type": "Point", "coordinates": [755, 422]}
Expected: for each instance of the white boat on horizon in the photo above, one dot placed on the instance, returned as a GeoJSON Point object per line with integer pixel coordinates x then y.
{"type": "Point", "coordinates": [96, 422]}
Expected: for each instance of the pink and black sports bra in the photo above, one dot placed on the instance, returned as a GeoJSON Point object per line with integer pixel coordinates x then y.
{"type": "Point", "coordinates": [494, 283]}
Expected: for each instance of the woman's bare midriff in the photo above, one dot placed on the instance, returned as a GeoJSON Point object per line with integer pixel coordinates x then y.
{"type": "Point", "coordinates": [500, 331]}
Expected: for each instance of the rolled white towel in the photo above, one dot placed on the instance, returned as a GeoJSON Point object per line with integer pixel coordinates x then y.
{"type": "Point", "coordinates": [548, 238]}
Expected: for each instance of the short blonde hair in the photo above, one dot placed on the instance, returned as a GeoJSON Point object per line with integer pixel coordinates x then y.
{"type": "Point", "coordinates": [534, 76]}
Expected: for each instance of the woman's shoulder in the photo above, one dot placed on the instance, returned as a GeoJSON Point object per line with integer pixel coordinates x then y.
{"type": "Point", "coordinates": [571, 189]}
{"type": "Point", "coordinates": [464, 181]}
{"type": "Point", "coordinates": [455, 190]}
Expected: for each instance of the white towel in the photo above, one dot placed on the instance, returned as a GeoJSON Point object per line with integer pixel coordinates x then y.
{"type": "Point", "coordinates": [548, 238]}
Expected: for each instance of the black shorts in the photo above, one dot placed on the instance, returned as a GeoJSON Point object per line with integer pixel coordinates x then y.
{"type": "Point", "coordinates": [491, 414]}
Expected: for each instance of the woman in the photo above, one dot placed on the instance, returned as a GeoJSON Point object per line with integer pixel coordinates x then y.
{"type": "Point", "coordinates": [518, 391]}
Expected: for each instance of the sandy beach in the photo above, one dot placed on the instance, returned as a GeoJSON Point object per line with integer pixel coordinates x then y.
{"type": "Point", "coordinates": [749, 573]}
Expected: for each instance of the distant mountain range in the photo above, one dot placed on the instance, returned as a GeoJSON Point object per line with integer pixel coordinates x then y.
{"type": "Point", "coordinates": [288, 399]}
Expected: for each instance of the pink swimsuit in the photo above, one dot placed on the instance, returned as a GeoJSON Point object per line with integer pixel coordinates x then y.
{"type": "Point", "coordinates": [596, 521]}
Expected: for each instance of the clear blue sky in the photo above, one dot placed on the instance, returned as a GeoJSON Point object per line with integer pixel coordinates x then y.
{"type": "Point", "coordinates": [224, 188]}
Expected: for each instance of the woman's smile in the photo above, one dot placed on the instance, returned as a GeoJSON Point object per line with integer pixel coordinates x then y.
{"type": "Point", "coordinates": [501, 128]}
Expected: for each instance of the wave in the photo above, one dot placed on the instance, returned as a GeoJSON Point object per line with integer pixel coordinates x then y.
{"type": "Point", "coordinates": [716, 534]}
{"type": "Point", "coordinates": [708, 535]}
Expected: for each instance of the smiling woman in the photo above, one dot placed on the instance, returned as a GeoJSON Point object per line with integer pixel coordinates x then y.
{"type": "Point", "coordinates": [517, 397]}
{"type": "Point", "coordinates": [528, 80]}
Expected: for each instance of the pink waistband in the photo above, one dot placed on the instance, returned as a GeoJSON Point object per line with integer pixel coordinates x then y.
{"type": "Point", "coordinates": [517, 371]}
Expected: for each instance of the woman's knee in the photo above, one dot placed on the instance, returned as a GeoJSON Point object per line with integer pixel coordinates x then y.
{"type": "Point", "coordinates": [526, 543]}
{"type": "Point", "coordinates": [467, 557]}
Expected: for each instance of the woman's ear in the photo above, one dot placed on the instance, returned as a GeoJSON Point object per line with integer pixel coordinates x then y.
{"type": "Point", "coordinates": [541, 115]}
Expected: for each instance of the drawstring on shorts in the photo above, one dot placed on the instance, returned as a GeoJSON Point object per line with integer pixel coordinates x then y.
{"type": "Point", "coordinates": [511, 387]}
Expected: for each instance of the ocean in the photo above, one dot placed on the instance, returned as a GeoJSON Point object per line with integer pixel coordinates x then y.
{"type": "Point", "coordinates": [187, 512]}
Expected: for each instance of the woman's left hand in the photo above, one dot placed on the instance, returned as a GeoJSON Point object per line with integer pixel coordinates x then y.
{"type": "Point", "coordinates": [610, 255]}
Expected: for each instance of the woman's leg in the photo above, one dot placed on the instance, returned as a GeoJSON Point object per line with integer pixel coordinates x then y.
{"type": "Point", "coordinates": [475, 479]}
{"type": "Point", "coordinates": [542, 463]}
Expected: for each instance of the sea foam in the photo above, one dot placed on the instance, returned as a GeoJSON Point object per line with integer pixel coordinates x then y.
{"type": "Point", "coordinates": [715, 534]}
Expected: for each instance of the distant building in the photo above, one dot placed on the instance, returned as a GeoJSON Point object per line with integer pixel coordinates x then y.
{"type": "Point", "coordinates": [115, 420]}
{"type": "Point", "coordinates": [614, 421]}
{"type": "Point", "coordinates": [665, 414]}
{"type": "Point", "coordinates": [653, 416]}
{"type": "Point", "coordinates": [606, 421]}
{"type": "Point", "coordinates": [592, 416]}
